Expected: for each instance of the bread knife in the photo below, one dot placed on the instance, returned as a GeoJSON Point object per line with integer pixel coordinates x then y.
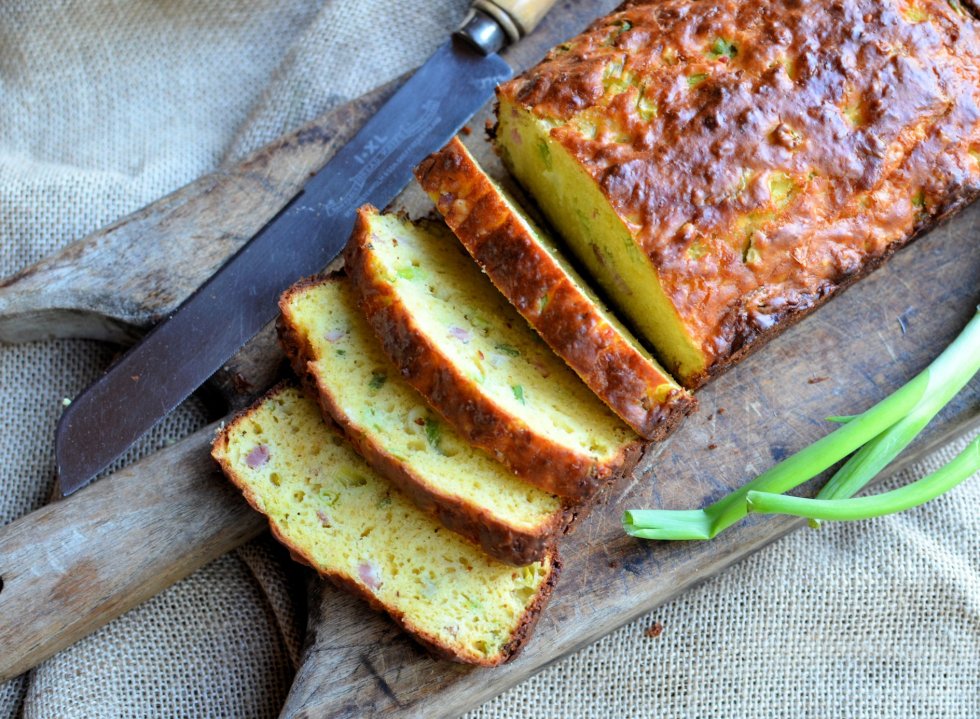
{"type": "Point", "coordinates": [184, 350]}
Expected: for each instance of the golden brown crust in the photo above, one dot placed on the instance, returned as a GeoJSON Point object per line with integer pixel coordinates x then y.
{"type": "Point", "coordinates": [868, 107]}
{"type": "Point", "coordinates": [478, 524]}
{"type": "Point", "coordinates": [519, 636]}
{"type": "Point", "coordinates": [753, 337]}
{"type": "Point", "coordinates": [532, 456]}
{"type": "Point", "coordinates": [546, 296]}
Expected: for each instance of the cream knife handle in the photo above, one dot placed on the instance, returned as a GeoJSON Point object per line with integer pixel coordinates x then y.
{"type": "Point", "coordinates": [516, 17]}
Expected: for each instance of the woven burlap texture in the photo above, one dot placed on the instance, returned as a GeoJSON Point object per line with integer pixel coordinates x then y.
{"type": "Point", "coordinates": [105, 106]}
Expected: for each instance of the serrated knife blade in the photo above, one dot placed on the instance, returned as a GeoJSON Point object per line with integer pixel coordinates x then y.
{"type": "Point", "coordinates": [183, 351]}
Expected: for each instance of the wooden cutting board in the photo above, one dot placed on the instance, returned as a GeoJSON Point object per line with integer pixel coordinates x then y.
{"type": "Point", "coordinates": [62, 569]}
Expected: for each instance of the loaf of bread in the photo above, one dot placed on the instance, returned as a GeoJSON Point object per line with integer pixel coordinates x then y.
{"type": "Point", "coordinates": [460, 344]}
{"type": "Point", "coordinates": [723, 167]}
{"type": "Point", "coordinates": [336, 514]}
{"type": "Point", "coordinates": [336, 353]}
{"type": "Point", "coordinates": [526, 266]}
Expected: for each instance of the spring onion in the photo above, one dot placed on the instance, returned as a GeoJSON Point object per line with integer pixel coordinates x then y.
{"type": "Point", "coordinates": [948, 374]}
{"type": "Point", "coordinates": [965, 465]}
{"type": "Point", "coordinates": [875, 437]}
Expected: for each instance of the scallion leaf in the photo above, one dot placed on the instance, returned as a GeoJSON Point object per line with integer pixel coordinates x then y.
{"type": "Point", "coordinates": [722, 48]}
{"type": "Point", "coordinates": [964, 466]}
{"type": "Point", "coordinates": [947, 374]}
{"type": "Point", "coordinates": [880, 433]}
{"type": "Point", "coordinates": [433, 433]}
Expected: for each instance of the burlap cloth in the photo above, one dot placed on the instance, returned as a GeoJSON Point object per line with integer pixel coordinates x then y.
{"type": "Point", "coordinates": [105, 106]}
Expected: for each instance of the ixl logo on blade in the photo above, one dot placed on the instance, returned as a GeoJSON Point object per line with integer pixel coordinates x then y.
{"type": "Point", "coordinates": [370, 148]}
{"type": "Point", "coordinates": [374, 145]}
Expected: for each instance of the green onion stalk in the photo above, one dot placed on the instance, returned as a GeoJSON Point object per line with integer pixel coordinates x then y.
{"type": "Point", "coordinates": [964, 466]}
{"type": "Point", "coordinates": [874, 437]}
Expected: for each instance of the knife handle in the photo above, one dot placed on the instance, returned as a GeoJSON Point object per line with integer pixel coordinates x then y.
{"type": "Point", "coordinates": [516, 17]}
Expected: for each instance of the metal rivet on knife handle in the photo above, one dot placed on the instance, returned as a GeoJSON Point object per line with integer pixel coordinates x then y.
{"type": "Point", "coordinates": [482, 32]}
{"type": "Point", "coordinates": [516, 17]}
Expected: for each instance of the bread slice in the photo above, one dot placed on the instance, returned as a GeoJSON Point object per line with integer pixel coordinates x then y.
{"type": "Point", "coordinates": [459, 342]}
{"type": "Point", "coordinates": [721, 171]}
{"type": "Point", "coordinates": [335, 513]}
{"type": "Point", "coordinates": [334, 350]}
{"type": "Point", "coordinates": [526, 266]}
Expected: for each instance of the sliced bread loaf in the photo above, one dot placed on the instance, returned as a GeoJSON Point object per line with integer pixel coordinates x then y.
{"type": "Point", "coordinates": [334, 512]}
{"type": "Point", "coordinates": [527, 267]}
{"type": "Point", "coordinates": [459, 342]}
{"type": "Point", "coordinates": [334, 350]}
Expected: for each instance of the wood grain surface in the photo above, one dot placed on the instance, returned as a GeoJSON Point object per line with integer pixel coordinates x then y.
{"type": "Point", "coordinates": [70, 567]}
{"type": "Point", "coordinates": [115, 283]}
